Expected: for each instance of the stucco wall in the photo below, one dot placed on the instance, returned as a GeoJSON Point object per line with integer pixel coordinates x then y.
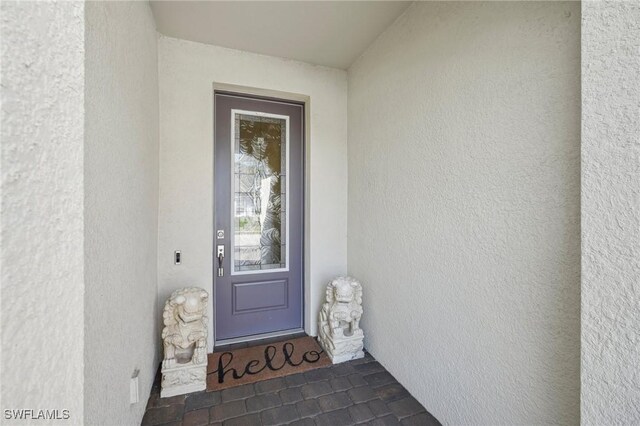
{"type": "Point", "coordinates": [121, 209]}
{"type": "Point", "coordinates": [610, 212]}
{"type": "Point", "coordinates": [464, 207]}
{"type": "Point", "coordinates": [188, 71]}
{"type": "Point", "coordinates": [41, 257]}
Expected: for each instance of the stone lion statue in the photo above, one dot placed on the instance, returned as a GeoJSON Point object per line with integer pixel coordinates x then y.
{"type": "Point", "coordinates": [341, 313]}
{"type": "Point", "coordinates": [339, 331]}
{"type": "Point", "coordinates": [185, 327]}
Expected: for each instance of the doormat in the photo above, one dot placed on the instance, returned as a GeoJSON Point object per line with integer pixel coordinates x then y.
{"type": "Point", "coordinates": [226, 369]}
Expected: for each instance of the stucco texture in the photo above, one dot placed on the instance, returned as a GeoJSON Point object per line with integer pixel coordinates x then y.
{"type": "Point", "coordinates": [610, 392]}
{"type": "Point", "coordinates": [121, 209]}
{"type": "Point", "coordinates": [41, 213]}
{"type": "Point", "coordinates": [188, 72]}
{"type": "Point", "coordinates": [464, 207]}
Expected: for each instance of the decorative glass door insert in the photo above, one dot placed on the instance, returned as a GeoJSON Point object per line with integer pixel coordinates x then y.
{"type": "Point", "coordinates": [259, 166]}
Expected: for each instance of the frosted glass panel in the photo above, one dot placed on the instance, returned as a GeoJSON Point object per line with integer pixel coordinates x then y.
{"type": "Point", "coordinates": [259, 192]}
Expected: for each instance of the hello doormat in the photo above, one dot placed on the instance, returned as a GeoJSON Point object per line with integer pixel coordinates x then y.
{"type": "Point", "coordinates": [226, 369]}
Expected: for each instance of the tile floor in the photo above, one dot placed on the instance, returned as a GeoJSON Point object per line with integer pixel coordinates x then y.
{"type": "Point", "coordinates": [355, 392]}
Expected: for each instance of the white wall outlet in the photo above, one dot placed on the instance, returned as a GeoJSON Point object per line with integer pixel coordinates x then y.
{"type": "Point", "coordinates": [134, 395]}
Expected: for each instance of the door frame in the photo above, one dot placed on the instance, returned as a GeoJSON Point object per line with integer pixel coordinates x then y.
{"type": "Point", "coordinates": [267, 94]}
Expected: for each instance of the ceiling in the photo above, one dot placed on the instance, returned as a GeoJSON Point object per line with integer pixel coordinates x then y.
{"type": "Point", "coordinates": [330, 33]}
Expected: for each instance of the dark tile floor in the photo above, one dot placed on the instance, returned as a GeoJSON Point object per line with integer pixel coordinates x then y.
{"type": "Point", "coordinates": [355, 392]}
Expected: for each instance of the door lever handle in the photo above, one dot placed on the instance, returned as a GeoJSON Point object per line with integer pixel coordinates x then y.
{"type": "Point", "coordinates": [220, 260]}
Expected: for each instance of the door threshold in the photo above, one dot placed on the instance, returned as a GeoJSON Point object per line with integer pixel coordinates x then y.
{"type": "Point", "coordinates": [254, 337]}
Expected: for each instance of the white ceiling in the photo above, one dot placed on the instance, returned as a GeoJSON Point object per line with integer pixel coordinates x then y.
{"type": "Point", "coordinates": [330, 33]}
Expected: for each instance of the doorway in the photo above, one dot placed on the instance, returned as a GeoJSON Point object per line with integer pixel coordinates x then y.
{"type": "Point", "coordinates": [259, 217]}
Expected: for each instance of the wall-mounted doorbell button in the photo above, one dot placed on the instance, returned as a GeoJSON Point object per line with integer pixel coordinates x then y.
{"type": "Point", "coordinates": [177, 258]}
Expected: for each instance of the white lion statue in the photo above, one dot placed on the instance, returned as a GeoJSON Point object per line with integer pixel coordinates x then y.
{"type": "Point", "coordinates": [185, 327]}
{"type": "Point", "coordinates": [339, 329]}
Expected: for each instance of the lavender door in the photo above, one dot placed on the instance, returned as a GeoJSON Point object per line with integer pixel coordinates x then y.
{"type": "Point", "coordinates": [258, 238]}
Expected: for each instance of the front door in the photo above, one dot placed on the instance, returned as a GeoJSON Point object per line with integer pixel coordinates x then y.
{"type": "Point", "coordinates": [258, 238]}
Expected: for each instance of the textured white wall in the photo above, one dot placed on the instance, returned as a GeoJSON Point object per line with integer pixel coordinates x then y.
{"type": "Point", "coordinates": [610, 212]}
{"type": "Point", "coordinates": [464, 208]}
{"type": "Point", "coordinates": [187, 73]}
{"type": "Point", "coordinates": [121, 209]}
{"type": "Point", "coordinates": [41, 258]}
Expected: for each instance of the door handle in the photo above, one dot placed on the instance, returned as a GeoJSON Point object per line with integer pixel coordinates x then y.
{"type": "Point", "coordinates": [220, 260]}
